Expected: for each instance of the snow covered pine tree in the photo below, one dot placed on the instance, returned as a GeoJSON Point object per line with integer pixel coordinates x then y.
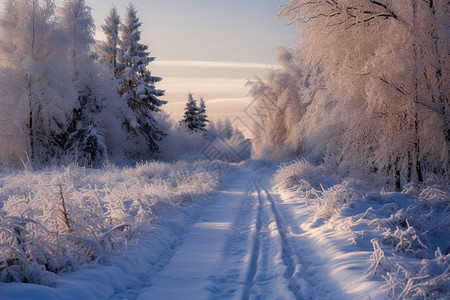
{"type": "Point", "coordinates": [191, 118]}
{"type": "Point", "coordinates": [84, 137]}
{"type": "Point", "coordinates": [137, 88]}
{"type": "Point", "coordinates": [109, 50]}
{"type": "Point", "coordinates": [202, 117]}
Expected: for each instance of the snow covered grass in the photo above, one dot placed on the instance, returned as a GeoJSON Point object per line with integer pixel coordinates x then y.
{"type": "Point", "coordinates": [408, 231]}
{"type": "Point", "coordinates": [56, 220]}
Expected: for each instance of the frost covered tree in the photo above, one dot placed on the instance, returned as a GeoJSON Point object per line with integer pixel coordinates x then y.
{"type": "Point", "coordinates": [109, 50]}
{"type": "Point", "coordinates": [202, 117]}
{"type": "Point", "coordinates": [372, 97]}
{"type": "Point", "coordinates": [84, 135]}
{"type": "Point", "coordinates": [279, 105]}
{"type": "Point", "coordinates": [389, 88]}
{"type": "Point", "coordinates": [191, 115]}
{"type": "Point", "coordinates": [137, 87]}
{"type": "Point", "coordinates": [36, 90]}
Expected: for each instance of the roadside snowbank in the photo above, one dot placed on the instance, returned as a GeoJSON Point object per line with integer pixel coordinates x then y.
{"type": "Point", "coordinates": [401, 237]}
{"type": "Point", "coordinates": [59, 220]}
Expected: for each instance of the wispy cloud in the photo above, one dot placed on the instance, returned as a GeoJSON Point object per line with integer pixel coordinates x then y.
{"type": "Point", "coordinates": [213, 64]}
{"type": "Point", "coordinates": [224, 86]}
{"type": "Point", "coordinates": [218, 100]}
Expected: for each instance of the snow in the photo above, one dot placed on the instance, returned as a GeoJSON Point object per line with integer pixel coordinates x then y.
{"type": "Point", "coordinates": [250, 239]}
{"type": "Point", "coordinates": [345, 216]}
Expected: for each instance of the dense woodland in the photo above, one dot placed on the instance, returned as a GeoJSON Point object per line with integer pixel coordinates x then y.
{"type": "Point", "coordinates": [366, 92]}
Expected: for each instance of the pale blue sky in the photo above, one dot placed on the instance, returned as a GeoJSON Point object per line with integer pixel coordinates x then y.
{"type": "Point", "coordinates": [207, 30]}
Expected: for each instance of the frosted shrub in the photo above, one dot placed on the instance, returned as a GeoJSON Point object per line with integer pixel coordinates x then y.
{"type": "Point", "coordinates": [429, 280]}
{"type": "Point", "coordinates": [406, 241]}
{"type": "Point", "coordinates": [411, 189]}
{"type": "Point", "coordinates": [22, 255]}
{"type": "Point", "coordinates": [292, 174]}
{"type": "Point", "coordinates": [56, 220]}
{"type": "Point", "coordinates": [380, 264]}
{"type": "Point", "coordinates": [409, 229]}
{"type": "Point", "coordinates": [405, 228]}
{"type": "Point", "coordinates": [333, 200]}
{"type": "Point", "coordinates": [434, 193]}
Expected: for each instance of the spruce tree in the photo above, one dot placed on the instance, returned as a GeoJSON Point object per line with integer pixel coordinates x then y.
{"type": "Point", "coordinates": [83, 135]}
{"type": "Point", "coordinates": [191, 115]}
{"type": "Point", "coordinates": [137, 85]}
{"type": "Point", "coordinates": [202, 117]}
{"type": "Point", "coordinates": [109, 50]}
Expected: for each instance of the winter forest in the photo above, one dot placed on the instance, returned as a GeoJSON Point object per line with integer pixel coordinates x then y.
{"type": "Point", "coordinates": [346, 174]}
{"type": "Point", "coordinates": [367, 91]}
{"type": "Point", "coordinates": [67, 98]}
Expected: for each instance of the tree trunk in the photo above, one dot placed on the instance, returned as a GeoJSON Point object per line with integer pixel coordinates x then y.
{"type": "Point", "coordinates": [30, 125]}
{"type": "Point", "coordinates": [415, 100]}
{"type": "Point", "coordinates": [397, 177]}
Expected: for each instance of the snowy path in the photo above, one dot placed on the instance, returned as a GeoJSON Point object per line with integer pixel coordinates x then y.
{"type": "Point", "coordinates": [241, 247]}
{"type": "Point", "coordinates": [245, 242]}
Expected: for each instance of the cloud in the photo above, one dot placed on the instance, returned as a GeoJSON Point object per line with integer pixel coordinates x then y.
{"type": "Point", "coordinates": [218, 100]}
{"type": "Point", "coordinates": [213, 64]}
{"type": "Point", "coordinates": [209, 87]}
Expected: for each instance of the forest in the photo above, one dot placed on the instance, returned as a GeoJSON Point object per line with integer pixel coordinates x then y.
{"type": "Point", "coordinates": [365, 92]}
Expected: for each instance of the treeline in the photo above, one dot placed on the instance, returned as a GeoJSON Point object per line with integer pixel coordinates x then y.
{"type": "Point", "coordinates": [366, 92]}
{"type": "Point", "coordinates": [65, 97]}
{"type": "Point", "coordinates": [62, 95]}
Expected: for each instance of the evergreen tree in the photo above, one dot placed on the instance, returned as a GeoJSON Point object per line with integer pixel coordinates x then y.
{"type": "Point", "coordinates": [84, 134]}
{"type": "Point", "coordinates": [191, 115]}
{"type": "Point", "coordinates": [202, 117]}
{"type": "Point", "coordinates": [137, 86]}
{"type": "Point", "coordinates": [109, 50]}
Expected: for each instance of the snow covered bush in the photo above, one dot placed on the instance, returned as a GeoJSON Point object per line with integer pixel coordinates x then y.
{"type": "Point", "coordinates": [56, 220]}
{"type": "Point", "coordinates": [427, 280]}
{"type": "Point", "coordinates": [408, 230]}
{"type": "Point", "coordinates": [295, 173]}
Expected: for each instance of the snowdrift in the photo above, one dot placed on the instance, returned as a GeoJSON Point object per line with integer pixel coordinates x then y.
{"type": "Point", "coordinates": [408, 231]}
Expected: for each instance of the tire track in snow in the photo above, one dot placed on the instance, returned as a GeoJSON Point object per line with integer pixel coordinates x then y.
{"type": "Point", "coordinates": [288, 258]}
{"type": "Point", "coordinates": [230, 275]}
{"type": "Point", "coordinates": [254, 255]}
{"type": "Point", "coordinates": [295, 256]}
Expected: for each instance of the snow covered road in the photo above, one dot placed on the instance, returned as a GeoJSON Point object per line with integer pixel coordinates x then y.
{"type": "Point", "coordinates": [244, 242]}
{"type": "Point", "coordinates": [245, 245]}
